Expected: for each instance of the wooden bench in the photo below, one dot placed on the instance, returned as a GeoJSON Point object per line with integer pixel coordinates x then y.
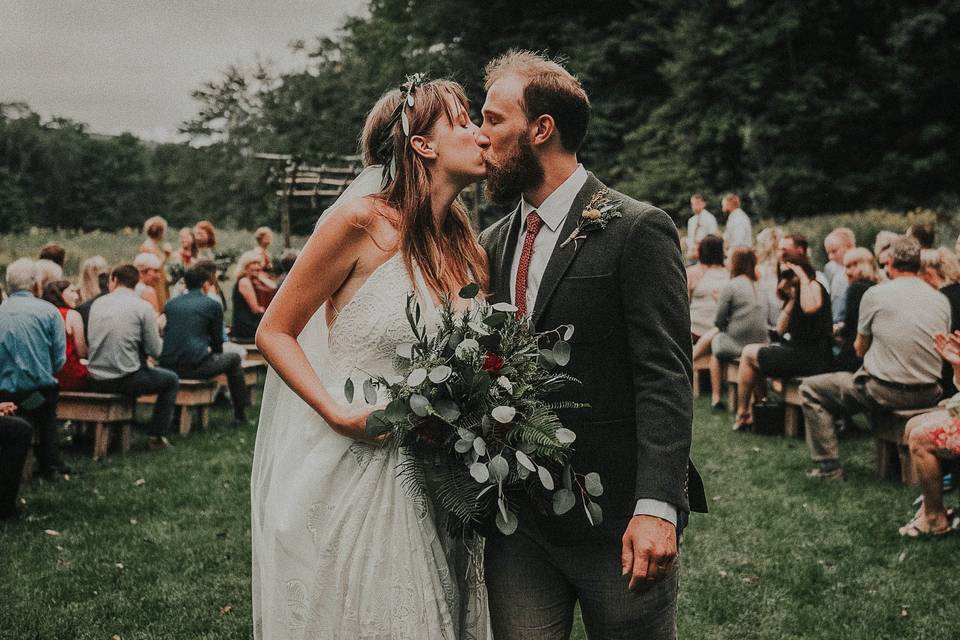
{"type": "Point", "coordinates": [253, 353]}
{"type": "Point", "coordinates": [789, 390]}
{"type": "Point", "coordinates": [254, 375]}
{"type": "Point", "coordinates": [732, 379]}
{"type": "Point", "coordinates": [892, 452]}
{"type": "Point", "coordinates": [104, 410]}
{"type": "Point", "coordinates": [700, 366]}
{"type": "Point", "coordinates": [194, 395]}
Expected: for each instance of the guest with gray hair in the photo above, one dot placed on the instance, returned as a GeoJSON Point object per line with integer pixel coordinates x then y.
{"type": "Point", "coordinates": [32, 349]}
{"type": "Point", "coordinates": [48, 271]}
{"type": "Point", "coordinates": [901, 367]}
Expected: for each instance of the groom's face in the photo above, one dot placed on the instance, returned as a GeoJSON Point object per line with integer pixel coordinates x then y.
{"type": "Point", "coordinates": [512, 166]}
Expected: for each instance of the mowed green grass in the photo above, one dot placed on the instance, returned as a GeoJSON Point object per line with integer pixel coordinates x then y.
{"type": "Point", "coordinates": [779, 556]}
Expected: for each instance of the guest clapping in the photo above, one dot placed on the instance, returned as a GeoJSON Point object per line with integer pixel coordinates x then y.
{"type": "Point", "coordinates": [64, 296]}
{"type": "Point", "coordinates": [805, 328]}
{"type": "Point", "coordinates": [193, 342]}
{"type": "Point", "coordinates": [32, 350]}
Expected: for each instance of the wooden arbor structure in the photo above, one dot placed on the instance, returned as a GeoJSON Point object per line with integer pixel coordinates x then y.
{"type": "Point", "coordinates": [312, 186]}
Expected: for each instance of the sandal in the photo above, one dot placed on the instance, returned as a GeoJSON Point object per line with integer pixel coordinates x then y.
{"type": "Point", "coordinates": [912, 530]}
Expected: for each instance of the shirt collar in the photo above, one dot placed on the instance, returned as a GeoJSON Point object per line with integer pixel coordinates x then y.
{"type": "Point", "coordinates": [21, 293]}
{"type": "Point", "coordinates": [557, 205]}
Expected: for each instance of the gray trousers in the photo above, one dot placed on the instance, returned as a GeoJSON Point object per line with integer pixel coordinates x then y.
{"type": "Point", "coordinates": [829, 396]}
{"type": "Point", "coordinates": [533, 587]}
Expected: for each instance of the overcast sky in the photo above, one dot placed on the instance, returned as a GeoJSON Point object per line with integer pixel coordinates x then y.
{"type": "Point", "coordinates": [130, 65]}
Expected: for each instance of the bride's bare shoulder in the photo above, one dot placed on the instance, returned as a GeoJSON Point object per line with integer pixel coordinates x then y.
{"type": "Point", "coordinates": [361, 213]}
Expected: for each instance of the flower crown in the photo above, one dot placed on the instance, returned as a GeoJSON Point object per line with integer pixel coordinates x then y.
{"type": "Point", "coordinates": [384, 144]}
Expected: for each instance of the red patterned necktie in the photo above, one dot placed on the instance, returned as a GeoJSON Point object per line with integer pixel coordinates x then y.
{"type": "Point", "coordinates": [534, 222]}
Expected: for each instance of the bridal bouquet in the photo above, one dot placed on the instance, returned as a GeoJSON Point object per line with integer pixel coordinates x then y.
{"type": "Point", "coordinates": [471, 408]}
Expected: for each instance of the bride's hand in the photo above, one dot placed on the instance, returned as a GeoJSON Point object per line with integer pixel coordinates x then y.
{"type": "Point", "coordinates": [351, 422]}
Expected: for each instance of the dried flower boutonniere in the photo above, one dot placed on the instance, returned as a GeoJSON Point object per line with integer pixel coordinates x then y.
{"type": "Point", "coordinates": [596, 215]}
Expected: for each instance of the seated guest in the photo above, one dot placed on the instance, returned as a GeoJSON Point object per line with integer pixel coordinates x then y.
{"type": "Point", "coordinates": [148, 266]}
{"type": "Point", "coordinates": [94, 278]}
{"type": "Point", "coordinates": [49, 271]}
{"type": "Point", "coordinates": [123, 342]}
{"type": "Point", "coordinates": [181, 260]}
{"type": "Point", "coordinates": [32, 350]}
{"type": "Point", "coordinates": [925, 233]}
{"type": "Point", "coordinates": [206, 237]}
{"type": "Point", "coordinates": [193, 342]}
{"type": "Point", "coordinates": [264, 238]}
{"type": "Point", "coordinates": [155, 229]}
{"type": "Point", "coordinates": [939, 269]}
{"type": "Point", "coordinates": [768, 268]}
{"type": "Point", "coordinates": [805, 329]}
{"type": "Point", "coordinates": [287, 258]}
{"type": "Point", "coordinates": [881, 249]}
{"type": "Point", "coordinates": [704, 281]}
{"type": "Point", "coordinates": [214, 293]}
{"type": "Point", "coordinates": [934, 438]}
{"type": "Point", "coordinates": [861, 272]}
{"type": "Point", "coordinates": [247, 307]}
{"type": "Point", "coordinates": [797, 244]}
{"type": "Point", "coordinates": [901, 367]}
{"type": "Point", "coordinates": [741, 318]}
{"type": "Point", "coordinates": [64, 296]}
{"type": "Point", "coordinates": [54, 252]}
{"type": "Point", "coordinates": [836, 244]}
{"type": "Point", "coordinates": [15, 436]}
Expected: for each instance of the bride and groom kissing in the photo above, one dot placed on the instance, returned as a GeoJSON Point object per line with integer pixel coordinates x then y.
{"type": "Point", "coordinates": [340, 550]}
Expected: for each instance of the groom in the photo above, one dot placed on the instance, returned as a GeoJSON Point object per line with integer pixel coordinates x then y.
{"type": "Point", "coordinates": [623, 288]}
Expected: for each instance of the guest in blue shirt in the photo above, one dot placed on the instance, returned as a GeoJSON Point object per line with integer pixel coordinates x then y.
{"type": "Point", "coordinates": [193, 340]}
{"type": "Point", "coordinates": [32, 350]}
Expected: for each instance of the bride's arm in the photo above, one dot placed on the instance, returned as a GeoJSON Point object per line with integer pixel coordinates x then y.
{"type": "Point", "coordinates": [325, 263]}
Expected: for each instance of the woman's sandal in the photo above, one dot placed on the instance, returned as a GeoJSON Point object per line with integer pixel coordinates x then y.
{"type": "Point", "coordinates": [912, 529]}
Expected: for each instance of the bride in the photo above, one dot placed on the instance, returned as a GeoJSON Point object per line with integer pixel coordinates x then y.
{"type": "Point", "coordinates": [339, 548]}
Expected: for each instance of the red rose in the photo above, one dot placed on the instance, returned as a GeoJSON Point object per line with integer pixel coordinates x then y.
{"type": "Point", "coordinates": [492, 363]}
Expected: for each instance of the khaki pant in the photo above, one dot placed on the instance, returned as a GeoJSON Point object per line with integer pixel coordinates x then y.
{"type": "Point", "coordinates": [829, 396]}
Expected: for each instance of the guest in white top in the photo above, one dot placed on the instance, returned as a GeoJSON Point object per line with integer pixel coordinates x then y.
{"type": "Point", "coordinates": [738, 233]}
{"type": "Point", "coordinates": [701, 224]}
{"type": "Point", "coordinates": [704, 282]}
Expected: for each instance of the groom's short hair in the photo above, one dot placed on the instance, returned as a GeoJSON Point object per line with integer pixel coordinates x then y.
{"type": "Point", "coordinates": [548, 89]}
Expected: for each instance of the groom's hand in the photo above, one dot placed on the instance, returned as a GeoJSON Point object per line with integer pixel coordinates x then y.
{"type": "Point", "coordinates": [649, 549]}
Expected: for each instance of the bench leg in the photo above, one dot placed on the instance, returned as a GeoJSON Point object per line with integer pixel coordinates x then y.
{"type": "Point", "coordinates": [185, 419]}
{"type": "Point", "coordinates": [792, 421]}
{"type": "Point", "coordinates": [204, 417]}
{"type": "Point", "coordinates": [101, 440]}
{"type": "Point", "coordinates": [906, 465]}
{"type": "Point", "coordinates": [29, 464]}
{"type": "Point", "coordinates": [124, 437]}
{"type": "Point", "coordinates": [696, 383]}
{"type": "Point", "coordinates": [732, 396]}
{"type": "Point", "coordinates": [888, 459]}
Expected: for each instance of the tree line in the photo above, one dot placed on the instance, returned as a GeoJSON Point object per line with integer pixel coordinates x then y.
{"type": "Point", "coordinates": [802, 108]}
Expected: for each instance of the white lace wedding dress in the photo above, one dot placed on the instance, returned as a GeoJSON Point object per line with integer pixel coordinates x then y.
{"type": "Point", "coordinates": [340, 550]}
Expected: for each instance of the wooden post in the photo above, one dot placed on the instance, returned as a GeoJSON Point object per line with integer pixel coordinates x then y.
{"type": "Point", "coordinates": [291, 172]}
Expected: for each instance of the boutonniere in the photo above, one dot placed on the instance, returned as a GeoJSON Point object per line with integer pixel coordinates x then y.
{"type": "Point", "coordinates": [596, 215]}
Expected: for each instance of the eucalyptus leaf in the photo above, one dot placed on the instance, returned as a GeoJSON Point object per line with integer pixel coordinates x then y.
{"type": "Point", "coordinates": [416, 377]}
{"type": "Point", "coordinates": [369, 391]}
{"type": "Point", "coordinates": [480, 446]}
{"type": "Point", "coordinates": [405, 350]}
{"type": "Point", "coordinates": [504, 383]}
{"type": "Point", "coordinates": [523, 472]}
{"type": "Point", "coordinates": [547, 360]}
{"type": "Point", "coordinates": [528, 448]}
{"type": "Point", "coordinates": [595, 513]}
{"type": "Point", "coordinates": [377, 423]}
{"type": "Point", "coordinates": [447, 409]}
{"type": "Point", "coordinates": [568, 478]}
{"type": "Point", "coordinates": [480, 472]}
{"type": "Point", "coordinates": [439, 374]}
{"type": "Point", "coordinates": [495, 320]}
{"type": "Point", "coordinates": [479, 327]}
{"type": "Point", "coordinates": [561, 353]}
{"type": "Point", "coordinates": [591, 482]}
{"type": "Point", "coordinates": [568, 332]}
{"type": "Point", "coordinates": [486, 425]}
{"type": "Point", "coordinates": [410, 99]}
{"type": "Point", "coordinates": [470, 291]}
{"type": "Point", "coordinates": [466, 348]}
{"type": "Point", "coordinates": [348, 390]}
{"type": "Point", "coordinates": [506, 307]}
{"type": "Point", "coordinates": [466, 434]}
{"type": "Point", "coordinates": [507, 524]}
{"type": "Point", "coordinates": [565, 436]}
{"type": "Point", "coordinates": [462, 446]}
{"type": "Point", "coordinates": [485, 491]}
{"type": "Point", "coordinates": [502, 504]}
{"type": "Point", "coordinates": [503, 414]}
{"type": "Point", "coordinates": [420, 405]}
{"type": "Point", "coordinates": [393, 167]}
{"type": "Point", "coordinates": [499, 468]}
{"type": "Point", "coordinates": [546, 479]}
{"type": "Point", "coordinates": [405, 123]}
{"type": "Point", "coordinates": [563, 501]}
{"type": "Point", "coordinates": [396, 410]}
{"type": "Point", "coordinates": [525, 461]}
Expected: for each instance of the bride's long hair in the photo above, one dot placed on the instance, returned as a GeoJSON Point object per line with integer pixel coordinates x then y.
{"type": "Point", "coordinates": [448, 254]}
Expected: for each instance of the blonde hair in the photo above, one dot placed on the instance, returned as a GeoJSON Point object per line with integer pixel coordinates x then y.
{"type": "Point", "coordinates": [246, 259]}
{"type": "Point", "coordinates": [842, 235]}
{"type": "Point", "coordinates": [49, 272]}
{"type": "Point", "coordinates": [147, 261]}
{"type": "Point", "coordinates": [261, 233]}
{"type": "Point", "coordinates": [943, 262]}
{"type": "Point", "coordinates": [732, 198]}
{"type": "Point", "coordinates": [865, 265]}
{"type": "Point", "coordinates": [767, 243]}
{"type": "Point", "coordinates": [155, 227]}
{"type": "Point", "coordinates": [90, 272]}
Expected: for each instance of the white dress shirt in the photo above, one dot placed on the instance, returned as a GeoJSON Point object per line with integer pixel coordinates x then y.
{"type": "Point", "coordinates": [553, 211]}
{"type": "Point", "coordinates": [738, 232]}
{"type": "Point", "coordinates": [699, 226]}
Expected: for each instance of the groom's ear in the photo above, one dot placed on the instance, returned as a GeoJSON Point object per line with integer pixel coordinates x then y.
{"type": "Point", "coordinates": [422, 147]}
{"type": "Point", "coordinates": [542, 129]}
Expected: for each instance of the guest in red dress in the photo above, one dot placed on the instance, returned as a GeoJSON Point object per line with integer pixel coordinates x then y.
{"type": "Point", "coordinates": [65, 297]}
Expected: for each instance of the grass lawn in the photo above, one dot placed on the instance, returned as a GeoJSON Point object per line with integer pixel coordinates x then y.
{"type": "Point", "coordinates": [156, 546]}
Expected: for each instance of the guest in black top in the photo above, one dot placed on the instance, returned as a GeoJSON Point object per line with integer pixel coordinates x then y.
{"type": "Point", "coordinates": [193, 340]}
{"type": "Point", "coordinates": [805, 328]}
{"type": "Point", "coordinates": [940, 269]}
{"type": "Point", "coordinates": [861, 271]}
{"type": "Point", "coordinates": [247, 309]}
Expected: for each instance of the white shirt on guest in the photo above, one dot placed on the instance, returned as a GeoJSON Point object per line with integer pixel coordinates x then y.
{"type": "Point", "coordinates": [739, 232]}
{"type": "Point", "coordinates": [553, 211]}
{"type": "Point", "coordinates": [699, 226]}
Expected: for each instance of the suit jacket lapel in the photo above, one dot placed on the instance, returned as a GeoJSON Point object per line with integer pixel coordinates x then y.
{"type": "Point", "coordinates": [560, 259]}
{"type": "Point", "coordinates": [509, 247]}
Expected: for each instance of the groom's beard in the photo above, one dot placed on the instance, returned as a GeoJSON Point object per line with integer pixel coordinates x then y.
{"type": "Point", "coordinates": [517, 173]}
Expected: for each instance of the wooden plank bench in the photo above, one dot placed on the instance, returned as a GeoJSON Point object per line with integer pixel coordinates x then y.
{"type": "Point", "coordinates": [104, 410]}
{"type": "Point", "coordinates": [254, 375]}
{"type": "Point", "coordinates": [789, 390]}
{"type": "Point", "coordinates": [194, 395]}
{"type": "Point", "coordinates": [700, 366]}
{"type": "Point", "coordinates": [892, 452]}
{"type": "Point", "coordinates": [253, 353]}
{"type": "Point", "coordinates": [732, 379]}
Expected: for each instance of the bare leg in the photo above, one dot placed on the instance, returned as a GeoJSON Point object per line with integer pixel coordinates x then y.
{"type": "Point", "coordinates": [716, 375]}
{"type": "Point", "coordinates": [702, 347]}
{"type": "Point", "coordinates": [927, 467]}
{"type": "Point", "coordinates": [748, 376]}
